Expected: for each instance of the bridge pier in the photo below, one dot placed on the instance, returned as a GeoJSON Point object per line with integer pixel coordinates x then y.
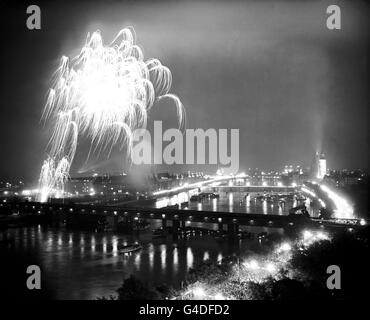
{"type": "Point", "coordinates": [175, 226]}
{"type": "Point", "coordinates": [4, 235]}
{"type": "Point", "coordinates": [131, 223]}
{"type": "Point", "coordinates": [60, 219]}
{"type": "Point", "coordinates": [232, 229]}
{"type": "Point", "coordinates": [164, 224]}
{"type": "Point", "coordinates": [182, 224]}
{"type": "Point", "coordinates": [115, 223]}
{"type": "Point", "coordinates": [220, 226]}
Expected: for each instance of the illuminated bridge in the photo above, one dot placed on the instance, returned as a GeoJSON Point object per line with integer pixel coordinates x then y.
{"type": "Point", "coordinates": [178, 218]}
{"type": "Point", "coordinates": [245, 188]}
{"type": "Point", "coordinates": [218, 183]}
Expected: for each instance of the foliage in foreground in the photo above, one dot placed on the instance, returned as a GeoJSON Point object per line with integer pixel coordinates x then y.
{"type": "Point", "coordinates": [304, 277]}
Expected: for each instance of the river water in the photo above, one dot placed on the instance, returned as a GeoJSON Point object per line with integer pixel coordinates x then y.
{"type": "Point", "coordinates": [86, 265]}
{"type": "Point", "coordinates": [240, 202]}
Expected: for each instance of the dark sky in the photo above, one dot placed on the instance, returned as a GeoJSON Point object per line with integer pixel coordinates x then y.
{"type": "Point", "coordinates": [269, 68]}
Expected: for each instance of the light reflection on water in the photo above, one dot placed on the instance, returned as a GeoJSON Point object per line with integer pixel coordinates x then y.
{"type": "Point", "coordinates": [151, 255]}
{"type": "Point", "coordinates": [231, 202]}
{"type": "Point", "coordinates": [206, 256]}
{"type": "Point", "coordinates": [175, 259]}
{"type": "Point", "coordinates": [84, 265]}
{"type": "Point", "coordinates": [162, 249]}
{"type": "Point", "coordinates": [189, 257]}
{"type": "Point", "coordinates": [240, 202]}
{"type": "Point", "coordinates": [214, 204]}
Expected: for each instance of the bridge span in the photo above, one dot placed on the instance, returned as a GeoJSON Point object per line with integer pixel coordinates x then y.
{"type": "Point", "coordinates": [245, 188]}
{"type": "Point", "coordinates": [231, 185]}
{"type": "Point", "coordinates": [178, 217]}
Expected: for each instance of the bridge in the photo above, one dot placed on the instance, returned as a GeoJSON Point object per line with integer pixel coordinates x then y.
{"type": "Point", "coordinates": [252, 188]}
{"type": "Point", "coordinates": [215, 182]}
{"type": "Point", "coordinates": [177, 217]}
{"type": "Point", "coordinates": [224, 184]}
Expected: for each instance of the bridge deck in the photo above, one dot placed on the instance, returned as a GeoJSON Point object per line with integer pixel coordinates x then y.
{"type": "Point", "coordinates": [250, 219]}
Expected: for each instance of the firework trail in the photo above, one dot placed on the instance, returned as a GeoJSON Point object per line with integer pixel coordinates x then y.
{"type": "Point", "coordinates": [104, 93]}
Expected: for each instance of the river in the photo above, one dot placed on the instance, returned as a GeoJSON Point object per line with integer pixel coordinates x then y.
{"type": "Point", "coordinates": [87, 265]}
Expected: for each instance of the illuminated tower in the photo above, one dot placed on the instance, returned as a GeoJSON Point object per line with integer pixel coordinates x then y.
{"type": "Point", "coordinates": [314, 166]}
{"type": "Point", "coordinates": [318, 166]}
{"type": "Point", "coordinates": [321, 172]}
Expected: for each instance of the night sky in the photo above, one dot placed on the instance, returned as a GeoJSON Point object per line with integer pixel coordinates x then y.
{"type": "Point", "coordinates": [271, 69]}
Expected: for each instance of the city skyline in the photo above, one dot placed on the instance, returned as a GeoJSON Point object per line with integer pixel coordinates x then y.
{"type": "Point", "coordinates": [288, 101]}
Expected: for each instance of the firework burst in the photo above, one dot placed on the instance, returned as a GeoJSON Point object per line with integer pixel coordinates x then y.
{"type": "Point", "coordinates": [104, 94]}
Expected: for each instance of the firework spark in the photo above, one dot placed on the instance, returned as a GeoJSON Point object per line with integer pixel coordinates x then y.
{"type": "Point", "coordinates": [104, 94]}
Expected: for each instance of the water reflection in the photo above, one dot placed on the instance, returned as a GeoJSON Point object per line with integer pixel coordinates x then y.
{"type": "Point", "coordinates": [236, 202]}
{"type": "Point", "coordinates": [151, 256]}
{"type": "Point", "coordinates": [137, 259]}
{"type": "Point", "coordinates": [214, 204]}
{"type": "Point", "coordinates": [206, 256]}
{"type": "Point", "coordinates": [104, 245]}
{"type": "Point", "coordinates": [83, 265]}
{"type": "Point", "coordinates": [189, 258]}
{"type": "Point", "coordinates": [280, 210]}
{"type": "Point", "coordinates": [175, 259]}
{"type": "Point", "coordinates": [219, 257]}
{"type": "Point", "coordinates": [162, 249]}
{"type": "Point", "coordinates": [248, 203]}
{"type": "Point", "coordinates": [231, 201]}
{"type": "Point", "coordinates": [115, 246]}
{"type": "Point", "coordinates": [264, 207]}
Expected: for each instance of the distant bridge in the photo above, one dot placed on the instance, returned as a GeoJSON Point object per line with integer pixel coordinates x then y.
{"type": "Point", "coordinates": [218, 183]}
{"type": "Point", "coordinates": [245, 188]}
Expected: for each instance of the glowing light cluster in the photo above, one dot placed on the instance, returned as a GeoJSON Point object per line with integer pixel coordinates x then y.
{"type": "Point", "coordinates": [256, 269]}
{"type": "Point", "coordinates": [322, 203]}
{"type": "Point", "coordinates": [313, 195]}
{"type": "Point", "coordinates": [269, 267]}
{"type": "Point", "coordinates": [343, 208]}
{"type": "Point", "coordinates": [210, 180]}
{"type": "Point", "coordinates": [284, 247]}
{"type": "Point", "coordinates": [103, 93]}
{"type": "Point", "coordinates": [259, 268]}
{"type": "Point", "coordinates": [309, 192]}
{"type": "Point", "coordinates": [200, 291]}
{"type": "Point", "coordinates": [310, 237]}
{"type": "Point", "coordinates": [28, 192]}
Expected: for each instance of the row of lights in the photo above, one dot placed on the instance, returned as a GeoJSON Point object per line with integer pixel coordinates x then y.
{"type": "Point", "coordinates": [152, 214]}
{"type": "Point", "coordinates": [362, 222]}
